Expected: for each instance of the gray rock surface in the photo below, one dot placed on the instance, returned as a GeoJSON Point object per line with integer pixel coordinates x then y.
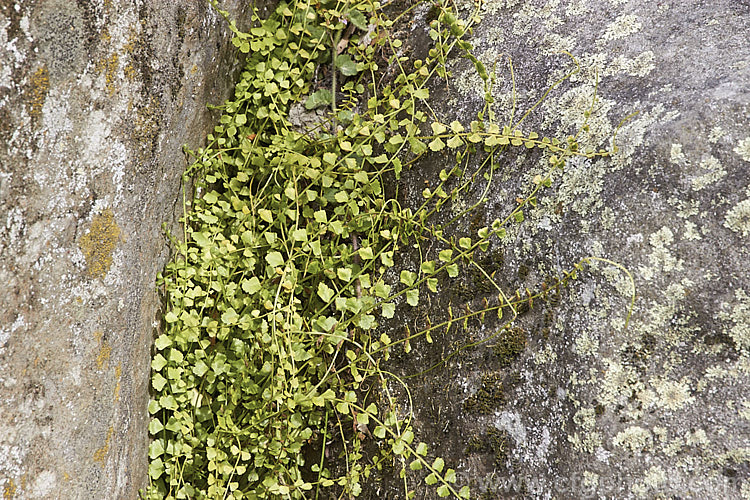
{"type": "Point", "coordinates": [591, 408]}
{"type": "Point", "coordinates": [97, 99]}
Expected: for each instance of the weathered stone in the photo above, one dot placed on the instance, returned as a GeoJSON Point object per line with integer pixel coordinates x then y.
{"type": "Point", "coordinates": [594, 408]}
{"type": "Point", "coordinates": [97, 99]}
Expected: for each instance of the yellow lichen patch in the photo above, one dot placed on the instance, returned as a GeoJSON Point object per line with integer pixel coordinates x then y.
{"type": "Point", "coordinates": [101, 454]}
{"type": "Point", "coordinates": [132, 47]}
{"type": "Point", "coordinates": [10, 490]}
{"type": "Point", "coordinates": [118, 374]}
{"type": "Point", "coordinates": [99, 243]}
{"type": "Point", "coordinates": [130, 71]}
{"type": "Point", "coordinates": [108, 65]}
{"type": "Point", "coordinates": [37, 93]}
{"type": "Point", "coordinates": [104, 354]}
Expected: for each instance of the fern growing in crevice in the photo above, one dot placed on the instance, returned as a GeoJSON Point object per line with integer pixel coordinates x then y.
{"type": "Point", "coordinates": [290, 258]}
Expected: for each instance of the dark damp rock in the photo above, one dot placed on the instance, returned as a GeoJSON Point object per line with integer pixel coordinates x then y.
{"type": "Point", "coordinates": [658, 408]}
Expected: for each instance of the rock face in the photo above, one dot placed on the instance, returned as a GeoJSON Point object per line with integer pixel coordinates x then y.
{"type": "Point", "coordinates": [96, 100]}
{"type": "Point", "coordinates": [591, 407]}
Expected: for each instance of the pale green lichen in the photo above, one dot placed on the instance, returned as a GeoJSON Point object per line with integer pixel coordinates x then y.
{"type": "Point", "coordinates": [673, 395]}
{"type": "Point", "coordinates": [674, 447]}
{"type": "Point", "coordinates": [660, 258]}
{"type": "Point", "coordinates": [590, 479]}
{"type": "Point", "coordinates": [608, 218]}
{"type": "Point", "coordinates": [640, 66]}
{"type": "Point", "coordinates": [735, 456]}
{"type": "Point", "coordinates": [738, 218]}
{"type": "Point", "coordinates": [647, 398]}
{"type": "Point", "coordinates": [744, 410]}
{"type": "Point", "coordinates": [622, 27]}
{"type": "Point", "coordinates": [635, 439]}
{"type": "Point", "coordinates": [552, 43]}
{"type": "Point", "coordinates": [715, 172]}
{"type": "Point", "coordinates": [586, 418]}
{"type": "Point", "coordinates": [745, 490]}
{"type": "Point", "coordinates": [665, 317]}
{"type": "Point", "coordinates": [655, 477]}
{"type": "Point", "coordinates": [577, 8]}
{"type": "Point", "coordinates": [715, 134]}
{"type": "Point", "coordinates": [743, 149]}
{"type": "Point", "coordinates": [524, 20]}
{"type": "Point", "coordinates": [593, 68]}
{"type": "Point", "coordinates": [618, 380]}
{"type": "Point", "coordinates": [586, 441]}
{"type": "Point", "coordinates": [676, 155]}
{"type": "Point", "coordinates": [697, 438]}
{"type": "Point", "coordinates": [586, 344]}
{"type": "Point", "coordinates": [684, 209]}
{"type": "Point", "coordinates": [691, 232]}
{"type": "Point", "coordinates": [740, 316]}
{"type": "Point", "coordinates": [546, 355]}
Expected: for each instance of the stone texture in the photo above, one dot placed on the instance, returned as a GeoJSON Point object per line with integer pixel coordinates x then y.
{"type": "Point", "coordinates": [591, 408]}
{"type": "Point", "coordinates": [97, 99]}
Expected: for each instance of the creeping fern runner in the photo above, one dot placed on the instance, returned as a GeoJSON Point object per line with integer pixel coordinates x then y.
{"type": "Point", "coordinates": [281, 278]}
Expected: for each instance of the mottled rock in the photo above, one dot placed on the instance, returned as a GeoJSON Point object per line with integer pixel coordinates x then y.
{"type": "Point", "coordinates": [594, 408]}
{"type": "Point", "coordinates": [97, 99]}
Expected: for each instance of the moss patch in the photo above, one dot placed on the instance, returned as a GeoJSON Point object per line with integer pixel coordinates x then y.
{"type": "Point", "coordinates": [510, 345]}
{"type": "Point", "coordinates": [495, 441]}
{"type": "Point", "coordinates": [489, 396]}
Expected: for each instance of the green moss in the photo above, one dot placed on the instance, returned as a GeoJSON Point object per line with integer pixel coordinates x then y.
{"type": "Point", "coordinates": [523, 271]}
{"type": "Point", "coordinates": [494, 441]}
{"type": "Point", "coordinates": [488, 398]}
{"type": "Point", "coordinates": [510, 345]}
